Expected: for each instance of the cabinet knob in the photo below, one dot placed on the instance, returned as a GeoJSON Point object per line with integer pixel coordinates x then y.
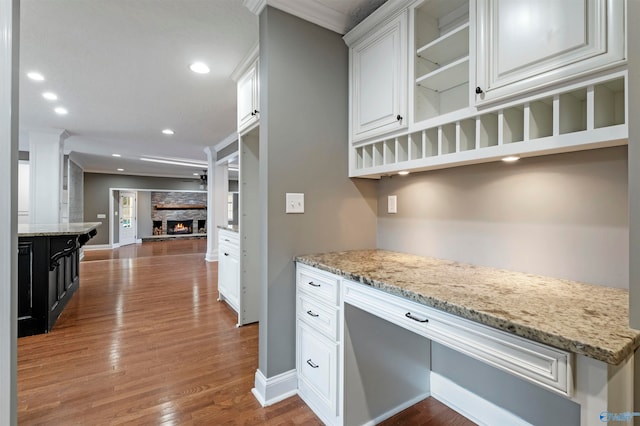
{"type": "Point", "coordinates": [478, 90]}
{"type": "Point", "coordinates": [254, 112]}
{"type": "Point", "coordinates": [226, 254]}
{"type": "Point", "coordinates": [399, 117]}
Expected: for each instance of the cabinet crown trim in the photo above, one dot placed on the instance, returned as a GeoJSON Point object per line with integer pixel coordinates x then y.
{"type": "Point", "coordinates": [384, 13]}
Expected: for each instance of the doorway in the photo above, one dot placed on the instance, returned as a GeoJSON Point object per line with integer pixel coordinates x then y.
{"type": "Point", "coordinates": [128, 213]}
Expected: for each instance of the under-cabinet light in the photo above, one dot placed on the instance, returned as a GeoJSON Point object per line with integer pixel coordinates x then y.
{"type": "Point", "coordinates": [511, 158]}
{"type": "Point", "coordinates": [168, 132]}
{"type": "Point", "coordinates": [115, 155]}
{"type": "Point", "coordinates": [120, 170]}
{"type": "Point", "coordinates": [403, 173]}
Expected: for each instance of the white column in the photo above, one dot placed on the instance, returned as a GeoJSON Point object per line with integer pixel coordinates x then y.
{"type": "Point", "coordinates": [9, 30]}
{"type": "Point", "coordinates": [45, 187]}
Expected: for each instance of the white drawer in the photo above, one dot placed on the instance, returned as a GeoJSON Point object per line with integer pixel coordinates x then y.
{"type": "Point", "coordinates": [543, 365]}
{"type": "Point", "coordinates": [318, 315]}
{"type": "Point", "coordinates": [226, 249]}
{"type": "Point", "coordinates": [228, 237]}
{"type": "Point", "coordinates": [316, 363]}
{"type": "Point", "coordinates": [320, 284]}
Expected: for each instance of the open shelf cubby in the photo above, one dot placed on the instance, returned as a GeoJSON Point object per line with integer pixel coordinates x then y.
{"type": "Point", "coordinates": [513, 124]}
{"type": "Point", "coordinates": [541, 118]}
{"type": "Point", "coordinates": [402, 148]}
{"type": "Point", "coordinates": [467, 134]}
{"type": "Point", "coordinates": [573, 111]}
{"type": "Point", "coordinates": [608, 103]}
{"type": "Point", "coordinates": [448, 138]}
{"type": "Point", "coordinates": [415, 146]}
{"type": "Point", "coordinates": [488, 130]}
{"type": "Point", "coordinates": [431, 142]}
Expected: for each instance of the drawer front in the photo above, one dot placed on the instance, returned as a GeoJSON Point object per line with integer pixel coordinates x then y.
{"type": "Point", "coordinates": [226, 249]}
{"type": "Point", "coordinates": [316, 363]}
{"type": "Point", "coordinates": [228, 237]}
{"type": "Point", "coordinates": [321, 317]}
{"type": "Point", "coordinates": [540, 364]}
{"type": "Point", "coordinates": [319, 284]}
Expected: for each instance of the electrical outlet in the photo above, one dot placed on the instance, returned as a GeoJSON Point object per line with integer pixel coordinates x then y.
{"type": "Point", "coordinates": [295, 203]}
{"type": "Point", "coordinates": [392, 204]}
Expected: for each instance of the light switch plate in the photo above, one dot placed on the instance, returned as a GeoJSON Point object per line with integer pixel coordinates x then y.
{"type": "Point", "coordinates": [295, 203]}
{"type": "Point", "coordinates": [102, 216]}
{"type": "Point", "coordinates": [392, 204]}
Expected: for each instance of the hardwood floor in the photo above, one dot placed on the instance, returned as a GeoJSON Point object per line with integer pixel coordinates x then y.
{"type": "Point", "coordinates": [145, 342]}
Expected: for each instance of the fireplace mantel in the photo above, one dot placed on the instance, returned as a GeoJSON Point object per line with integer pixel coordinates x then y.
{"type": "Point", "coordinates": [180, 207]}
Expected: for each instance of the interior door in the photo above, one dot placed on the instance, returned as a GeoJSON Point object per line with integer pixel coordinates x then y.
{"type": "Point", "coordinates": [128, 225]}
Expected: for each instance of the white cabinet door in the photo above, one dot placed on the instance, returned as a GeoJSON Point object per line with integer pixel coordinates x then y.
{"type": "Point", "coordinates": [229, 275]}
{"type": "Point", "coordinates": [248, 98]}
{"type": "Point", "coordinates": [525, 44]}
{"type": "Point", "coordinates": [379, 80]}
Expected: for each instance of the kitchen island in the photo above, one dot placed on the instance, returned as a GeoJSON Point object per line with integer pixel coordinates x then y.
{"type": "Point", "coordinates": [48, 271]}
{"type": "Point", "coordinates": [566, 337]}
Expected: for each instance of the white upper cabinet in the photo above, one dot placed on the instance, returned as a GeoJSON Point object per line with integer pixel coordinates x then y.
{"type": "Point", "coordinates": [248, 98]}
{"type": "Point", "coordinates": [379, 80]}
{"type": "Point", "coordinates": [524, 45]}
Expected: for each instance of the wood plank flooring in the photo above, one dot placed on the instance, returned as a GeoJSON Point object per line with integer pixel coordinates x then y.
{"type": "Point", "coordinates": [145, 342]}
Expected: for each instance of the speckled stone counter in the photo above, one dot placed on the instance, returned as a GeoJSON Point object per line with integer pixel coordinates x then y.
{"type": "Point", "coordinates": [581, 318]}
{"type": "Point", "coordinates": [56, 229]}
{"type": "Point", "coordinates": [232, 228]}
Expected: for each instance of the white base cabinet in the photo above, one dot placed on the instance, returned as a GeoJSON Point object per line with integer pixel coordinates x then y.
{"type": "Point", "coordinates": [229, 268]}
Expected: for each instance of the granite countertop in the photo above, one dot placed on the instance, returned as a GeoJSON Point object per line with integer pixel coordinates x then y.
{"type": "Point", "coordinates": [55, 229]}
{"type": "Point", "coordinates": [581, 318]}
{"type": "Point", "coordinates": [232, 228]}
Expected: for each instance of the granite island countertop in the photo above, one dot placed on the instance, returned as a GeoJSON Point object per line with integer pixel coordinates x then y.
{"type": "Point", "coordinates": [56, 229]}
{"type": "Point", "coordinates": [580, 318]}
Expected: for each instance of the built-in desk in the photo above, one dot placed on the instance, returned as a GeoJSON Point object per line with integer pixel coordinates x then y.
{"type": "Point", "coordinates": [48, 271]}
{"type": "Point", "coordinates": [567, 338]}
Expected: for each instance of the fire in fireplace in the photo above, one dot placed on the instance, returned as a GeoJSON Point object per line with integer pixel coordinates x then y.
{"type": "Point", "coordinates": [179, 227]}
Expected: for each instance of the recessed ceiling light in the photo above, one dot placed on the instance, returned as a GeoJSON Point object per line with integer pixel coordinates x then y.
{"type": "Point", "coordinates": [168, 132]}
{"type": "Point", "coordinates": [199, 67]}
{"type": "Point", "coordinates": [511, 158]}
{"type": "Point", "coordinates": [61, 111]}
{"type": "Point", "coordinates": [50, 96]}
{"type": "Point", "coordinates": [403, 173]}
{"type": "Point", "coordinates": [120, 170]}
{"type": "Point", "coordinates": [35, 76]}
{"type": "Point", "coordinates": [115, 155]}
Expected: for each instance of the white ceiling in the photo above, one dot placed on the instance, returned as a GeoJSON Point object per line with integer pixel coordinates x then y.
{"type": "Point", "coordinates": [121, 69]}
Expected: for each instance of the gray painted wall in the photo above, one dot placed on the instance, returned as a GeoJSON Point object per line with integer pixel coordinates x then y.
{"type": "Point", "coordinates": [96, 196]}
{"type": "Point", "coordinates": [560, 215]}
{"type": "Point", "coordinates": [76, 192]}
{"type": "Point", "coordinates": [303, 148]}
{"type": "Point", "coordinates": [145, 223]}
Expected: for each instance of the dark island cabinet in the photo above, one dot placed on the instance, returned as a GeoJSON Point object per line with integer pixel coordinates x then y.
{"type": "Point", "coordinates": [48, 276]}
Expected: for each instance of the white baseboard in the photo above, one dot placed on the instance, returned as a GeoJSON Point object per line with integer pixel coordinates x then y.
{"type": "Point", "coordinates": [139, 241]}
{"type": "Point", "coordinates": [276, 388]}
{"type": "Point", "coordinates": [211, 257]}
{"type": "Point", "coordinates": [397, 409]}
{"type": "Point", "coordinates": [98, 247]}
{"type": "Point", "coordinates": [470, 405]}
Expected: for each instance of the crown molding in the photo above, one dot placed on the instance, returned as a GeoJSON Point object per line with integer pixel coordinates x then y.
{"type": "Point", "coordinates": [255, 6]}
{"type": "Point", "coordinates": [244, 64]}
{"type": "Point", "coordinates": [382, 15]}
{"type": "Point", "coordinates": [314, 12]}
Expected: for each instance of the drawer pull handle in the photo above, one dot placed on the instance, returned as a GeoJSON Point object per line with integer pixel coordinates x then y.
{"type": "Point", "coordinates": [410, 315]}
{"type": "Point", "coordinates": [312, 364]}
{"type": "Point", "coordinates": [309, 312]}
{"type": "Point", "coordinates": [226, 239]}
{"type": "Point", "coordinates": [311, 283]}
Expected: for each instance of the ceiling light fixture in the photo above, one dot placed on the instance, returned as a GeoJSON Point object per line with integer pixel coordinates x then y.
{"type": "Point", "coordinates": [120, 170]}
{"type": "Point", "coordinates": [511, 159]}
{"type": "Point", "coordinates": [199, 68]}
{"type": "Point", "coordinates": [196, 174]}
{"type": "Point", "coordinates": [50, 96]}
{"type": "Point", "coordinates": [175, 163]}
{"type": "Point", "coordinates": [403, 173]}
{"type": "Point", "coordinates": [168, 132]}
{"type": "Point", "coordinates": [61, 111]}
{"type": "Point", "coordinates": [116, 155]}
{"type": "Point", "coordinates": [35, 76]}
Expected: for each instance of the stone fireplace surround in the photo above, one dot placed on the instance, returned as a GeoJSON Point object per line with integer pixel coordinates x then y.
{"type": "Point", "coordinates": [177, 206]}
